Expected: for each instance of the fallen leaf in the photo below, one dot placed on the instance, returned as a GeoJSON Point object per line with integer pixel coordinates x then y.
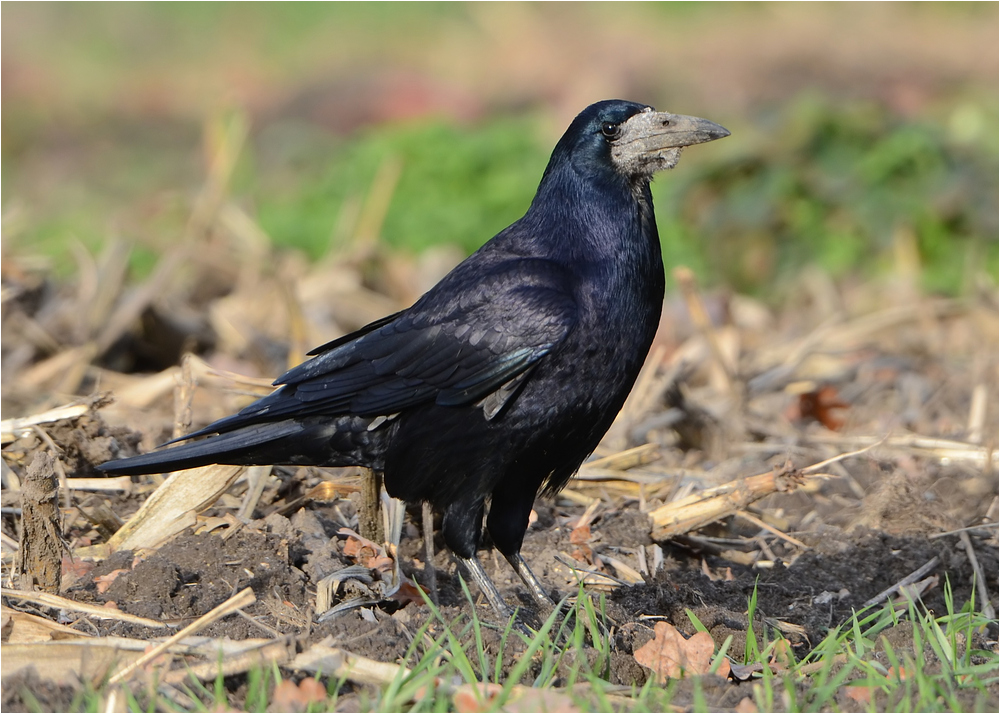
{"type": "Point", "coordinates": [670, 656]}
{"type": "Point", "coordinates": [746, 706]}
{"type": "Point", "coordinates": [724, 669]}
{"type": "Point", "coordinates": [901, 673]}
{"type": "Point", "coordinates": [104, 581]}
{"type": "Point", "coordinates": [475, 697]}
{"type": "Point", "coordinates": [76, 568]}
{"type": "Point", "coordinates": [820, 405]}
{"type": "Point", "coordinates": [291, 697]}
{"type": "Point", "coordinates": [365, 552]}
{"type": "Point", "coordinates": [707, 571]}
{"type": "Point", "coordinates": [743, 672]}
{"type": "Point", "coordinates": [580, 535]}
{"type": "Point", "coordinates": [782, 657]}
{"type": "Point", "coordinates": [859, 694]}
{"type": "Point", "coordinates": [408, 592]}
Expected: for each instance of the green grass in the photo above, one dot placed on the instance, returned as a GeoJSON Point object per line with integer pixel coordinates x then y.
{"type": "Point", "coordinates": [456, 186]}
{"type": "Point", "coordinates": [942, 670]}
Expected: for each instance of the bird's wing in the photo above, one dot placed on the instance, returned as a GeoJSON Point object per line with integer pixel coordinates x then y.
{"type": "Point", "coordinates": [454, 347]}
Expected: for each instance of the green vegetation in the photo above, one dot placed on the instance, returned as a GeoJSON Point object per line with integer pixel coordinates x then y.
{"type": "Point", "coordinates": [934, 666]}
{"type": "Point", "coordinates": [846, 188]}
{"type": "Point", "coordinates": [456, 185]}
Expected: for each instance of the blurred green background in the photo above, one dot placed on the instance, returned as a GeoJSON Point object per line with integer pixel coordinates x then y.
{"type": "Point", "coordinates": [864, 136]}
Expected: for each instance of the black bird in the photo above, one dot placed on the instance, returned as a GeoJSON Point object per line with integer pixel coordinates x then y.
{"type": "Point", "coordinates": [504, 377]}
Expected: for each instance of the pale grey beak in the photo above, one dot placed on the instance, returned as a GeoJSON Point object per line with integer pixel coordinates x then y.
{"type": "Point", "coordinates": [651, 141]}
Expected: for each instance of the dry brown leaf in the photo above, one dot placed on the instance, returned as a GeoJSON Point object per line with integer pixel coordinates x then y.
{"type": "Point", "coordinates": [291, 697]}
{"type": "Point", "coordinates": [475, 697]}
{"type": "Point", "coordinates": [104, 581]}
{"type": "Point", "coordinates": [585, 554]}
{"type": "Point", "coordinates": [724, 668]}
{"type": "Point", "coordinates": [782, 658]}
{"type": "Point", "coordinates": [408, 592]}
{"type": "Point", "coordinates": [75, 568]}
{"type": "Point", "coordinates": [365, 552]}
{"type": "Point", "coordinates": [743, 672]}
{"type": "Point", "coordinates": [670, 656]}
{"type": "Point", "coordinates": [901, 673]}
{"type": "Point", "coordinates": [746, 706]}
{"type": "Point", "coordinates": [820, 406]}
{"type": "Point", "coordinates": [861, 694]}
{"type": "Point", "coordinates": [580, 535]}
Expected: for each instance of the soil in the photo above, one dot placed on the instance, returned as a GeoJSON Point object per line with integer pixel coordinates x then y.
{"type": "Point", "coordinates": [282, 559]}
{"type": "Point", "coordinates": [809, 558]}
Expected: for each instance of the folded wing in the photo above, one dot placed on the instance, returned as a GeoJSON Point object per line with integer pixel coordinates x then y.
{"type": "Point", "coordinates": [453, 353]}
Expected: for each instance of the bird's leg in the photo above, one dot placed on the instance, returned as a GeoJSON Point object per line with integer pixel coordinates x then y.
{"type": "Point", "coordinates": [428, 525]}
{"type": "Point", "coordinates": [475, 570]}
{"type": "Point", "coordinates": [534, 585]}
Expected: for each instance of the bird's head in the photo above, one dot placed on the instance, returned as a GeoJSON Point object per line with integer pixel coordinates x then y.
{"type": "Point", "coordinates": [633, 140]}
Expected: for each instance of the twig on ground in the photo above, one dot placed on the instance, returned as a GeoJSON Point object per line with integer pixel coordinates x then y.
{"type": "Point", "coordinates": [940, 448]}
{"type": "Point", "coordinates": [981, 526]}
{"type": "Point", "coordinates": [624, 460]}
{"type": "Point", "coordinates": [112, 483]}
{"type": "Point", "coordinates": [597, 578]}
{"type": "Point", "coordinates": [256, 479]}
{"type": "Point", "coordinates": [257, 654]}
{"type": "Point", "coordinates": [713, 504]}
{"type": "Point", "coordinates": [323, 491]}
{"type": "Point", "coordinates": [11, 429]}
{"type": "Point", "coordinates": [986, 606]}
{"type": "Point", "coordinates": [62, 603]}
{"type": "Point", "coordinates": [241, 599]}
{"type": "Point", "coordinates": [625, 571]}
{"type": "Point", "coordinates": [699, 316]}
{"type": "Point", "coordinates": [183, 397]}
{"type": "Point", "coordinates": [977, 415]}
{"type": "Point", "coordinates": [908, 580]}
{"type": "Point", "coordinates": [771, 529]}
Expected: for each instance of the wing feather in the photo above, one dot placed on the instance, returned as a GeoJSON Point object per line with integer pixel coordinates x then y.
{"type": "Point", "coordinates": [452, 348]}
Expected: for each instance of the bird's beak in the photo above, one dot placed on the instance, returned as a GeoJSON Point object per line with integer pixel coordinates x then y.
{"type": "Point", "coordinates": [661, 130]}
{"type": "Point", "coordinates": [651, 141]}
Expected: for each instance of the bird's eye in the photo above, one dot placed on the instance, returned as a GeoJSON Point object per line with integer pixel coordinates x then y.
{"type": "Point", "coordinates": [611, 130]}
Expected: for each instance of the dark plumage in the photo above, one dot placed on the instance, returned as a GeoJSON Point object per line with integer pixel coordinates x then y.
{"type": "Point", "coordinates": [503, 378]}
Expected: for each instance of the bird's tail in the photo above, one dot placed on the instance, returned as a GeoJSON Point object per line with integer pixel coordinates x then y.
{"type": "Point", "coordinates": [284, 442]}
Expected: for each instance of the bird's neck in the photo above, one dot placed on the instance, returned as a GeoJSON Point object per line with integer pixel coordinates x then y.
{"type": "Point", "coordinates": [596, 218]}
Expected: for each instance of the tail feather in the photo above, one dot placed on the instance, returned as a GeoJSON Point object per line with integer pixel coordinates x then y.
{"type": "Point", "coordinates": [286, 442]}
{"type": "Point", "coordinates": [239, 447]}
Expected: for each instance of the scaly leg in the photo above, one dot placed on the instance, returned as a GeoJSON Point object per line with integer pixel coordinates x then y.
{"type": "Point", "coordinates": [476, 573]}
{"type": "Point", "coordinates": [535, 588]}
